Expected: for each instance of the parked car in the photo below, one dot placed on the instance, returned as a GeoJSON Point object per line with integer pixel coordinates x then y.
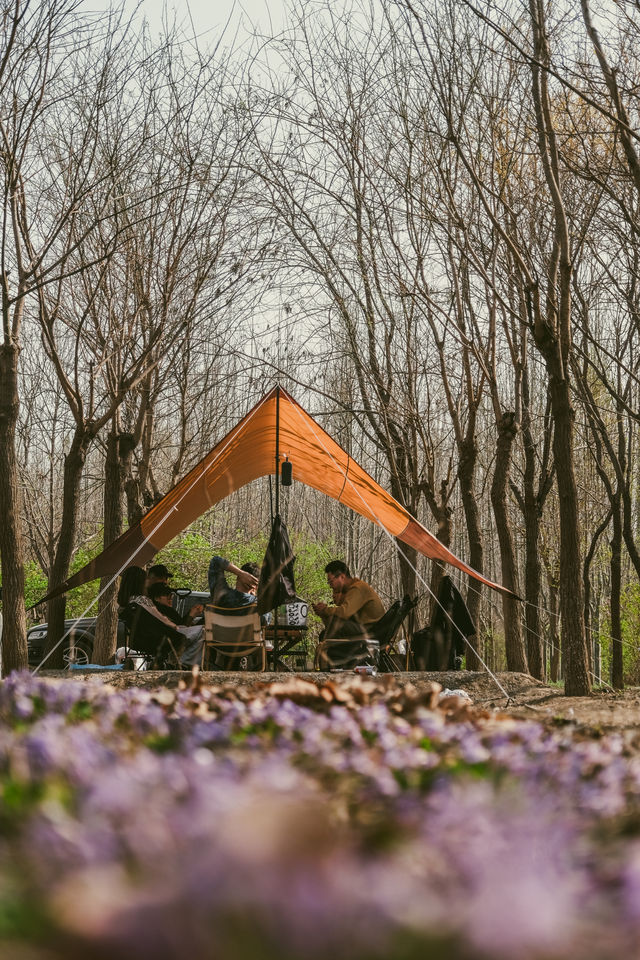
{"type": "Point", "coordinates": [78, 646]}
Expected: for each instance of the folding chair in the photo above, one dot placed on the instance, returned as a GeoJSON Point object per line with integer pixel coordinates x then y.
{"type": "Point", "coordinates": [232, 637]}
{"type": "Point", "coordinates": [149, 638]}
{"type": "Point", "coordinates": [346, 652]}
{"type": "Point", "coordinates": [385, 629]}
{"type": "Point", "coordinates": [371, 647]}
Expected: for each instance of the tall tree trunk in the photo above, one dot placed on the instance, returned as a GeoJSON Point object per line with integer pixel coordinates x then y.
{"type": "Point", "coordinates": [107, 624]}
{"type": "Point", "coordinates": [597, 644]}
{"type": "Point", "coordinates": [468, 454]}
{"type": "Point", "coordinates": [553, 336]}
{"type": "Point", "coordinates": [553, 638]}
{"type": "Point", "coordinates": [628, 513]}
{"type": "Point", "coordinates": [14, 636]}
{"type": "Point", "coordinates": [73, 468]}
{"type": "Point", "coordinates": [408, 557]}
{"type": "Point", "coordinates": [533, 567]}
{"type": "Point", "coordinates": [442, 514]}
{"type": "Point", "coordinates": [574, 647]}
{"type": "Point", "coordinates": [514, 644]}
{"type": "Point", "coordinates": [617, 667]}
{"type": "Point", "coordinates": [586, 580]}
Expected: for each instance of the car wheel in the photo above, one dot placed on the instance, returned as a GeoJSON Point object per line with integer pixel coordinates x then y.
{"type": "Point", "coordinates": [79, 651]}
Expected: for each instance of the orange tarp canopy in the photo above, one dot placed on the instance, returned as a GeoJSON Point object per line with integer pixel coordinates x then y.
{"type": "Point", "coordinates": [247, 452]}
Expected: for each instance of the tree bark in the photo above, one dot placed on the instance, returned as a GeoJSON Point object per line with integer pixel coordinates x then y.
{"type": "Point", "coordinates": [407, 557]}
{"type": "Point", "coordinates": [468, 454]}
{"type": "Point", "coordinates": [552, 331]}
{"type": "Point", "coordinates": [14, 636]}
{"type": "Point", "coordinates": [533, 567]}
{"type": "Point", "coordinates": [73, 468]}
{"type": "Point", "coordinates": [586, 580]}
{"type": "Point", "coordinates": [617, 666]}
{"type": "Point", "coordinates": [574, 647]}
{"type": "Point", "coordinates": [514, 644]}
{"type": "Point", "coordinates": [442, 513]}
{"type": "Point", "coordinates": [107, 625]}
{"type": "Point", "coordinates": [554, 636]}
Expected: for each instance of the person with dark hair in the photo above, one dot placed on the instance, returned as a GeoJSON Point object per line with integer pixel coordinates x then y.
{"type": "Point", "coordinates": [244, 594]}
{"type": "Point", "coordinates": [132, 586]}
{"type": "Point", "coordinates": [161, 595]}
{"type": "Point", "coordinates": [246, 587]}
{"type": "Point", "coordinates": [337, 590]}
{"type": "Point", "coordinates": [360, 605]}
{"type": "Point", "coordinates": [158, 573]}
{"type": "Point", "coordinates": [337, 567]}
{"type": "Point", "coordinates": [337, 595]}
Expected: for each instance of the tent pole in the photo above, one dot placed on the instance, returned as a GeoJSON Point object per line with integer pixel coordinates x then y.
{"type": "Point", "coordinates": [276, 644]}
{"type": "Point", "coordinates": [277, 450]}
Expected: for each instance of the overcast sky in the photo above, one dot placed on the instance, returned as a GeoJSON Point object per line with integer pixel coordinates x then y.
{"type": "Point", "coordinates": [210, 16]}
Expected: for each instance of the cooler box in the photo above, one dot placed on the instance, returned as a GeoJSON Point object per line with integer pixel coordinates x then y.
{"type": "Point", "coordinates": [293, 614]}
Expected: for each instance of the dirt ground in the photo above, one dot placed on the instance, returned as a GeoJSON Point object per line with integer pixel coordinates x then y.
{"type": "Point", "coordinates": [518, 694]}
{"type": "Point", "coordinates": [533, 700]}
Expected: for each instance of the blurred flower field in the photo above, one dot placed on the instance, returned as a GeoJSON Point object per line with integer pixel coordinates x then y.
{"type": "Point", "coordinates": [292, 821]}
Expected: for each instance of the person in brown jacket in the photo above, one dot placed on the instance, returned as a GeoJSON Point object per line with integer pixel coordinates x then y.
{"type": "Point", "coordinates": [359, 607]}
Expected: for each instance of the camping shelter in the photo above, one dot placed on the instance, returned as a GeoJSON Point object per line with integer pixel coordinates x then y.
{"type": "Point", "coordinates": [276, 427]}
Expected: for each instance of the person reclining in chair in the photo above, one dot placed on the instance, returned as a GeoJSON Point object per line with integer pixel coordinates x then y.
{"type": "Point", "coordinates": [245, 590]}
{"type": "Point", "coordinates": [360, 606]}
{"type": "Point", "coordinates": [161, 594]}
{"type": "Point", "coordinates": [131, 591]}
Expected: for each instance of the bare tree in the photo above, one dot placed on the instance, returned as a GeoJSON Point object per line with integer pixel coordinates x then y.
{"type": "Point", "coordinates": [551, 327]}
{"type": "Point", "coordinates": [36, 41]}
{"type": "Point", "coordinates": [151, 286]}
{"type": "Point", "coordinates": [330, 152]}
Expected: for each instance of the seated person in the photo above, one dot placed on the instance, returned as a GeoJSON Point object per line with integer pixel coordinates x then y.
{"type": "Point", "coordinates": [242, 595]}
{"type": "Point", "coordinates": [245, 590]}
{"type": "Point", "coordinates": [360, 606]}
{"type": "Point", "coordinates": [337, 594]}
{"type": "Point", "coordinates": [161, 594]}
{"type": "Point", "coordinates": [157, 573]}
{"type": "Point", "coordinates": [132, 585]}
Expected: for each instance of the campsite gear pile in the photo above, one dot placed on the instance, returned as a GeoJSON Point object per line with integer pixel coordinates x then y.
{"type": "Point", "coordinates": [441, 645]}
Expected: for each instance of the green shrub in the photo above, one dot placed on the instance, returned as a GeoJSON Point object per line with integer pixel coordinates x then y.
{"type": "Point", "coordinates": [630, 605]}
{"type": "Point", "coordinates": [188, 556]}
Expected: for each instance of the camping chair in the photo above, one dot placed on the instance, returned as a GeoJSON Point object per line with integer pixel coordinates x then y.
{"type": "Point", "coordinates": [159, 645]}
{"type": "Point", "coordinates": [342, 653]}
{"type": "Point", "coordinates": [385, 629]}
{"type": "Point", "coordinates": [232, 635]}
{"type": "Point", "coordinates": [371, 647]}
{"type": "Point", "coordinates": [345, 652]}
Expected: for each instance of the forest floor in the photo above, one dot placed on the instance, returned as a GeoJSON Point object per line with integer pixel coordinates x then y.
{"type": "Point", "coordinates": [519, 695]}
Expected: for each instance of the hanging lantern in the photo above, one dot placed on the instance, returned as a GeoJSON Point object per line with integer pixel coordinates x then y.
{"type": "Point", "coordinates": [286, 472]}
